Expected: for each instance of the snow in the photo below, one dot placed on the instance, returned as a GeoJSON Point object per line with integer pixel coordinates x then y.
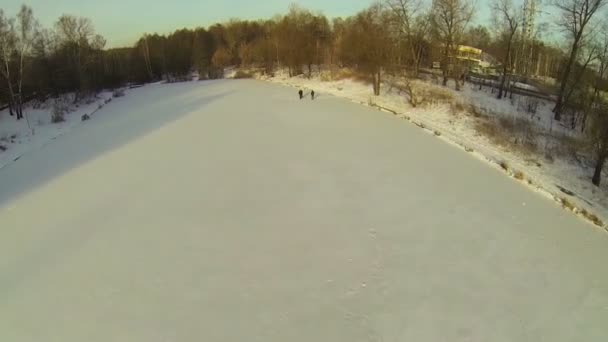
{"type": "Point", "coordinates": [547, 176]}
{"type": "Point", "coordinates": [18, 138]}
{"type": "Point", "coordinates": [233, 211]}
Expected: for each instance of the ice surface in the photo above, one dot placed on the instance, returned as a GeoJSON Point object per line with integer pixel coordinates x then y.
{"type": "Point", "coordinates": [233, 211]}
{"type": "Point", "coordinates": [547, 176]}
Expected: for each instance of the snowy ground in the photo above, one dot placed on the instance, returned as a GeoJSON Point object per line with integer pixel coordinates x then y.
{"type": "Point", "coordinates": [546, 176]}
{"type": "Point", "coordinates": [233, 211]}
{"type": "Point", "coordinates": [19, 137]}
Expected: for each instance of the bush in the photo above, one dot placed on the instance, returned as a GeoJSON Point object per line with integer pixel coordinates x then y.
{"type": "Point", "coordinates": [118, 93]}
{"type": "Point", "coordinates": [503, 164]}
{"type": "Point", "coordinates": [439, 95]}
{"type": "Point", "coordinates": [567, 204]}
{"type": "Point", "coordinates": [514, 133]}
{"type": "Point", "coordinates": [342, 74]}
{"type": "Point", "coordinates": [326, 77]}
{"type": "Point", "coordinates": [593, 218]}
{"type": "Point", "coordinates": [458, 107]}
{"type": "Point", "coordinates": [60, 109]}
{"type": "Point", "coordinates": [242, 74]}
{"type": "Point", "coordinates": [476, 111]}
{"type": "Point", "coordinates": [519, 175]}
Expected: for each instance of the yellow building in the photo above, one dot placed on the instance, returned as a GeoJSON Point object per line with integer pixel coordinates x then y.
{"type": "Point", "coordinates": [471, 56]}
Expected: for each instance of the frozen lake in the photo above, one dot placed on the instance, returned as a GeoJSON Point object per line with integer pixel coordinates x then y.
{"type": "Point", "coordinates": [233, 211]}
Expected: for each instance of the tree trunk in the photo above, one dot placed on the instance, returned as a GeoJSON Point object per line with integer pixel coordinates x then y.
{"type": "Point", "coordinates": [444, 65]}
{"type": "Point", "coordinates": [562, 91]}
{"type": "Point", "coordinates": [376, 82]}
{"type": "Point", "coordinates": [599, 166]}
{"type": "Point", "coordinates": [501, 88]}
{"type": "Point", "coordinates": [506, 66]}
{"type": "Point", "coordinates": [584, 122]}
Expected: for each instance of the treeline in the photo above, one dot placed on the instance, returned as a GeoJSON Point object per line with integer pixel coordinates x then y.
{"type": "Point", "coordinates": [394, 36]}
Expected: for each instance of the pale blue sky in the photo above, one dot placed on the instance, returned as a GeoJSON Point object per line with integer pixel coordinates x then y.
{"type": "Point", "coordinates": [121, 22]}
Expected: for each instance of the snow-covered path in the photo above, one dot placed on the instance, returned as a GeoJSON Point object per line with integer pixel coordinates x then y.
{"type": "Point", "coordinates": [232, 211]}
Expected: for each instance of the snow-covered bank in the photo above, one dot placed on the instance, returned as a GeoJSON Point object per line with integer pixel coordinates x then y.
{"type": "Point", "coordinates": [550, 169]}
{"type": "Point", "coordinates": [19, 137]}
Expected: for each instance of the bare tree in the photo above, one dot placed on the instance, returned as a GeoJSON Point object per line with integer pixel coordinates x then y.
{"type": "Point", "coordinates": [450, 19]}
{"type": "Point", "coordinates": [412, 25]}
{"type": "Point", "coordinates": [575, 20]}
{"type": "Point", "coordinates": [598, 135]}
{"type": "Point", "coordinates": [602, 58]}
{"type": "Point", "coordinates": [581, 84]}
{"type": "Point", "coordinates": [26, 28]}
{"type": "Point", "coordinates": [146, 53]}
{"type": "Point", "coordinates": [7, 48]}
{"type": "Point", "coordinates": [507, 19]}
{"type": "Point", "coordinates": [367, 44]}
{"type": "Point", "coordinates": [78, 35]}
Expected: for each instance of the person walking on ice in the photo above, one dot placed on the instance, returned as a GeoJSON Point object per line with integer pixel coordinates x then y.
{"type": "Point", "coordinates": [301, 94]}
{"type": "Point", "coordinates": [312, 94]}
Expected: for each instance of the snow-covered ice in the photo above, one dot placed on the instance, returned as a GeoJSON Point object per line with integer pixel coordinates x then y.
{"type": "Point", "coordinates": [547, 177]}
{"type": "Point", "coordinates": [233, 211]}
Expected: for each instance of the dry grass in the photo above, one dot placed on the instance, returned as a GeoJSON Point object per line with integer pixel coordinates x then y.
{"type": "Point", "coordinates": [457, 107]}
{"type": "Point", "coordinates": [567, 147]}
{"type": "Point", "coordinates": [515, 134]}
{"type": "Point", "coordinates": [341, 74]}
{"type": "Point", "coordinates": [593, 218]}
{"type": "Point", "coordinates": [567, 204]}
{"type": "Point", "coordinates": [468, 149]}
{"type": "Point", "coordinates": [491, 130]}
{"type": "Point", "coordinates": [361, 77]}
{"type": "Point", "coordinates": [243, 74]}
{"type": "Point", "coordinates": [421, 94]}
{"type": "Point", "coordinates": [519, 175]}
{"type": "Point", "coordinates": [475, 111]}
{"type": "Point", "coordinates": [439, 94]}
{"type": "Point", "coordinates": [326, 77]}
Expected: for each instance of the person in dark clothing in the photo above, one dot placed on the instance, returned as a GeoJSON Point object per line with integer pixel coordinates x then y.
{"type": "Point", "coordinates": [301, 94]}
{"type": "Point", "coordinates": [312, 94]}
